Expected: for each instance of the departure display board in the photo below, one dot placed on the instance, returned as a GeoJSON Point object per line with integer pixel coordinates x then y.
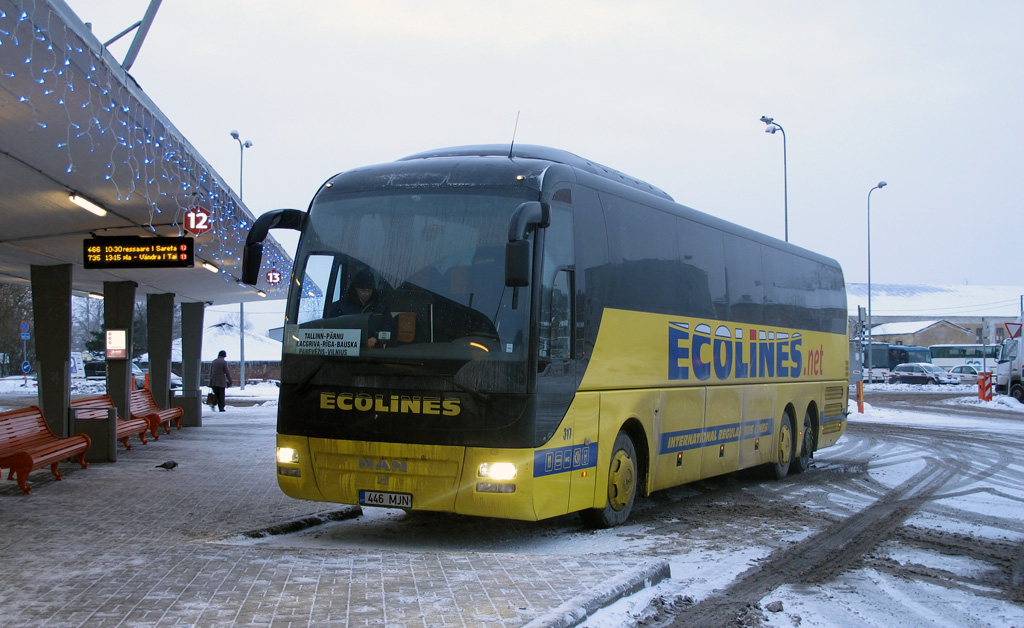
{"type": "Point", "coordinates": [139, 252]}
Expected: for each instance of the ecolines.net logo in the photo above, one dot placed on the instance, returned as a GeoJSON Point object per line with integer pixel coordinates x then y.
{"type": "Point", "coordinates": [730, 353]}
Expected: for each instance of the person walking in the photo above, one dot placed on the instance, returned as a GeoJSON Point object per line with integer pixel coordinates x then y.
{"type": "Point", "coordinates": [220, 378]}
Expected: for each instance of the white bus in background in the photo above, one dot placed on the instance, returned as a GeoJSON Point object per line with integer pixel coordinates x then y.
{"type": "Point", "coordinates": [981, 357]}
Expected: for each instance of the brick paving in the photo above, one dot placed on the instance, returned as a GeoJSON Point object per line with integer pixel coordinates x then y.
{"type": "Point", "coordinates": [128, 544]}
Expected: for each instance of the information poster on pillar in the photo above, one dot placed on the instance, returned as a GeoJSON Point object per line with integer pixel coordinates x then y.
{"type": "Point", "coordinates": [117, 344]}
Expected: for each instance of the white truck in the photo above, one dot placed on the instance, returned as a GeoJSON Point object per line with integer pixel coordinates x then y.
{"type": "Point", "coordinates": [1009, 380]}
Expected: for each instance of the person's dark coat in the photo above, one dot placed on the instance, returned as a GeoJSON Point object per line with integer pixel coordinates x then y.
{"type": "Point", "coordinates": [220, 376]}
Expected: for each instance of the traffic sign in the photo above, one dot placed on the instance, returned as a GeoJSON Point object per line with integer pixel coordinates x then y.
{"type": "Point", "coordinates": [198, 220]}
{"type": "Point", "coordinates": [1013, 329]}
{"type": "Point", "coordinates": [25, 335]}
{"type": "Point", "coordinates": [26, 366]}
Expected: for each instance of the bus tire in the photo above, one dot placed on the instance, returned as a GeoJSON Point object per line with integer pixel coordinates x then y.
{"type": "Point", "coordinates": [803, 462]}
{"type": "Point", "coordinates": [623, 473]}
{"type": "Point", "coordinates": [783, 448]}
{"type": "Point", "coordinates": [1017, 392]}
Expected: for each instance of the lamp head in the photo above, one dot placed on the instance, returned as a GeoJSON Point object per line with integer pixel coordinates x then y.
{"type": "Point", "coordinates": [767, 120]}
{"type": "Point", "coordinates": [881, 184]}
{"type": "Point", "coordinates": [771, 129]}
{"type": "Point", "coordinates": [234, 134]}
{"type": "Point", "coordinates": [248, 144]}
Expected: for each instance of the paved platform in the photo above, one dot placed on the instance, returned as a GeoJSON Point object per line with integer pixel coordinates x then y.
{"type": "Point", "coordinates": [130, 544]}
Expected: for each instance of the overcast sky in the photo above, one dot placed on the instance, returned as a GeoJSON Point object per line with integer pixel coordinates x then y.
{"type": "Point", "coordinates": [925, 95]}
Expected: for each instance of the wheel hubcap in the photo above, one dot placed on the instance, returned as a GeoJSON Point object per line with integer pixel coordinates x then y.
{"type": "Point", "coordinates": [785, 445]}
{"type": "Point", "coordinates": [621, 480]}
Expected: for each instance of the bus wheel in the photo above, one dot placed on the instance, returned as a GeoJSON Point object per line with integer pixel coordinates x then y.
{"type": "Point", "coordinates": [622, 479]}
{"type": "Point", "coordinates": [802, 462]}
{"type": "Point", "coordinates": [1017, 392]}
{"type": "Point", "coordinates": [784, 448]}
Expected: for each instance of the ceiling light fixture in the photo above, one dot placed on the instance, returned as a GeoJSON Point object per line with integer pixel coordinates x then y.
{"type": "Point", "coordinates": [87, 205]}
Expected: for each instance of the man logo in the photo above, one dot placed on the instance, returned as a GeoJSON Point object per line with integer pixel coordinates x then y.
{"type": "Point", "coordinates": [395, 466]}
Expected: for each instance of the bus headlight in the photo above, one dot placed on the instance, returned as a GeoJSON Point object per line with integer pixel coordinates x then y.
{"type": "Point", "coordinates": [287, 454]}
{"type": "Point", "coordinates": [497, 471]}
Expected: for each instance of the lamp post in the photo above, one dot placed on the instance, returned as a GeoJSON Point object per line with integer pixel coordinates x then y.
{"type": "Point", "coordinates": [881, 184]}
{"type": "Point", "coordinates": [774, 126]}
{"type": "Point", "coordinates": [241, 158]}
{"type": "Point", "coordinates": [241, 306]}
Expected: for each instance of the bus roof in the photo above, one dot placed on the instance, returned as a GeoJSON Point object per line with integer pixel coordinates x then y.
{"type": "Point", "coordinates": [543, 153]}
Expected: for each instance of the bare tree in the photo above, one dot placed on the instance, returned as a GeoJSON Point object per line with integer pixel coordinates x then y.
{"type": "Point", "coordinates": [15, 306]}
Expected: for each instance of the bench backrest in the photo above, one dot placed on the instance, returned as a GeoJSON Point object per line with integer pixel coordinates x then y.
{"type": "Point", "coordinates": [23, 425]}
{"type": "Point", "coordinates": [97, 401]}
{"type": "Point", "coordinates": [93, 407]}
{"type": "Point", "coordinates": [142, 402]}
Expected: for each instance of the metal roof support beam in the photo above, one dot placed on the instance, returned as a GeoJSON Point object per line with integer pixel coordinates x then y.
{"type": "Point", "coordinates": [140, 35]}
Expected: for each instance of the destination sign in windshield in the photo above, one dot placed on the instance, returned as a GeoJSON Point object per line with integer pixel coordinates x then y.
{"type": "Point", "coordinates": [139, 252]}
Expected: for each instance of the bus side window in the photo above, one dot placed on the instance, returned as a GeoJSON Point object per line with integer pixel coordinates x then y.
{"type": "Point", "coordinates": [556, 330]}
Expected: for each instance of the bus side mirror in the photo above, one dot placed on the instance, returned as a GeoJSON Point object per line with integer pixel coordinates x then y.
{"type": "Point", "coordinates": [517, 250]}
{"type": "Point", "coordinates": [252, 254]}
{"type": "Point", "coordinates": [517, 263]}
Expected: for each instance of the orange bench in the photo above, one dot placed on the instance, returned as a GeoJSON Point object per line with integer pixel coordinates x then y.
{"type": "Point", "coordinates": [96, 408]}
{"type": "Point", "coordinates": [27, 444]}
{"type": "Point", "coordinates": [143, 406]}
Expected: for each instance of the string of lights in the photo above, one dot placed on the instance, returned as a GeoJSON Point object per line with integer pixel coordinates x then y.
{"type": "Point", "coordinates": [80, 108]}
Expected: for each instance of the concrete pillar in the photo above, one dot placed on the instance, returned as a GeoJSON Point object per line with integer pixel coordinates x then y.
{"type": "Point", "coordinates": [191, 364]}
{"type": "Point", "coordinates": [160, 321]}
{"type": "Point", "coordinates": [51, 312]}
{"type": "Point", "coordinates": [118, 310]}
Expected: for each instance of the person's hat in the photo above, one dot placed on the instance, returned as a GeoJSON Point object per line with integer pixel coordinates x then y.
{"type": "Point", "coordinates": [363, 279]}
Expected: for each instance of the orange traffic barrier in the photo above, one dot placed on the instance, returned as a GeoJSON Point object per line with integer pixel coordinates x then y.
{"type": "Point", "coordinates": [860, 397]}
{"type": "Point", "coordinates": [985, 387]}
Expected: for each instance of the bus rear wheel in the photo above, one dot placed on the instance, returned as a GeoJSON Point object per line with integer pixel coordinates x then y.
{"type": "Point", "coordinates": [622, 481]}
{"type": "Point", "coordinates": [783, 449]}
{"type": "Point", "coordinates": [802, 462]}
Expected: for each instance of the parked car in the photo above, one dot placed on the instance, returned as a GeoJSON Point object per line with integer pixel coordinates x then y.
{"type": "Point", "coordinates": [96, 369]}
{"type": "Point", "coordinates": [968, 374]}
{"type": "Point", "coordinates": [921, 373]}
{"type": "Point", "coordinates": [140, 377]}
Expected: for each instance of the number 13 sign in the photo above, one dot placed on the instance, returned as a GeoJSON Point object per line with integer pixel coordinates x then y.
{"type": "Point", "coordinates": [198, 220]}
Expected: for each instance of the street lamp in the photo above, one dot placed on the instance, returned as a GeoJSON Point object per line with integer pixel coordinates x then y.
{"type": "Point", "coordinates": [241, 158]}
{"type": "Point", "coordinates": [241, 306]}
{"type": "Point", "coordinates": [774, 126]}
{"type": "Point", "coordinates": [881, 184]}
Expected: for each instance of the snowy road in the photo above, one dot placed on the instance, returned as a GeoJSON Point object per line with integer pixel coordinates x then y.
{"type": "Point", "coordinates": [913, 519]}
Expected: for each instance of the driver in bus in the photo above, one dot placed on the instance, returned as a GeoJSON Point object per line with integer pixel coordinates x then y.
{"type": "Point", "coordinates": [362, 297]}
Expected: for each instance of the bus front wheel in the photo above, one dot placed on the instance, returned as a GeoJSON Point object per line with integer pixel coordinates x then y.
{"type": "Point", "coordinates": [1017, 392]}
{"type": "Point", "coordinates": [622, 480]}
{"type": "Point", "coordinates": [783, 448]}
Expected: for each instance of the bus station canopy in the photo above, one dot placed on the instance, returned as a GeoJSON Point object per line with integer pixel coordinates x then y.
{"type": "Point", "coordinates": [73, 122]}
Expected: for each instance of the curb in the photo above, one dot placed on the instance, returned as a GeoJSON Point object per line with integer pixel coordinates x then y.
{"type": "Point", "coordinates": [302, 523]}
{"type": "Point", "coordinates": [575, 611]}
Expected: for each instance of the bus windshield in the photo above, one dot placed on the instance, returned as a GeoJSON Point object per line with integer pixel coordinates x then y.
{"type": "Point", "coordinates": [399, 276]}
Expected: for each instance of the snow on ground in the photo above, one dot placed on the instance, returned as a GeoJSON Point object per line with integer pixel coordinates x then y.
{"type": "Point", "coordinates": [859, 597]}
{"type": "Point", "coordinates": [262, 394]}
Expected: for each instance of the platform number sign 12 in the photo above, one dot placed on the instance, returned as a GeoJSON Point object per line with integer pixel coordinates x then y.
{"type": "Point", "coordinates": [198, 220]}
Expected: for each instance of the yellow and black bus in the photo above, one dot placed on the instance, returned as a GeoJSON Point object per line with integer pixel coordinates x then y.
{"type": "Point", "coordinates": [523, 333]}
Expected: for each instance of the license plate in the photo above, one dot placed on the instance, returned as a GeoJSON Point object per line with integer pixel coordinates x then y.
{"type": "Point", "coordinates": [387, 500]}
